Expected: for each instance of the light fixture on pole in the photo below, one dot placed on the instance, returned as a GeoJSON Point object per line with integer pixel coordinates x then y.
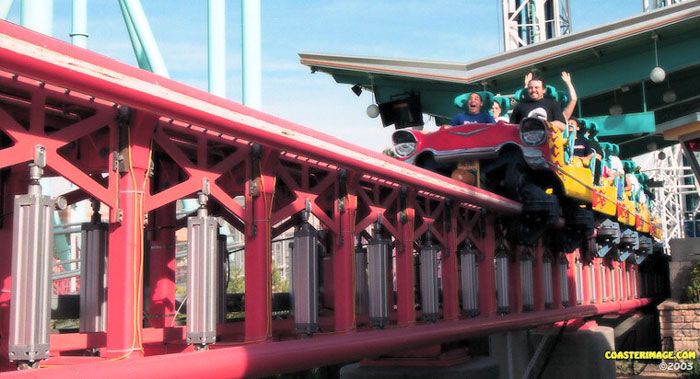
{"type": "Point", "coordinates": [669, 96]}
{"type": "Point", "coordinates": [657, 74]}
{"type": "Point", "coordinates": [373, 109]}
{"type": "Point", "coordinates": [616, 108]}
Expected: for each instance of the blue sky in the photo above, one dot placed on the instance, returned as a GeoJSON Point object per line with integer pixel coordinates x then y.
{"type": "Point", "coordinates": [443, 30]}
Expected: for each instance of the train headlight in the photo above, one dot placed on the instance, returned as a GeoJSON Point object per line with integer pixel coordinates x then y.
{"type": "Point", "coordinates": [404, 143]}
{"type": "Point", "coordinates": [533, 131]}
{"type": "Point", "coordinates": [405, 149]}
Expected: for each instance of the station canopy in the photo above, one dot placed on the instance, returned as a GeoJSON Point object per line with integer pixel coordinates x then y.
{"type": "Point", "coordinates": [610, 65]}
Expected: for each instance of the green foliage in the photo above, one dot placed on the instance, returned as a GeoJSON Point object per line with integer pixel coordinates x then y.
{"type": "Point", "coordinates": [389, 152]}
{"type": "Point", "coordinates": [236, 281]}
{"type": "Point", "coordinates": [691, 292]}
{"type": "Point", "coordinates": [695, 372]}
{"type": "Point", "coordinates": [278, 285]}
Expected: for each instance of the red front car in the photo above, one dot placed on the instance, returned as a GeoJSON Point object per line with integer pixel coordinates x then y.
{"type": "Point", "coordinates": [440, 150]}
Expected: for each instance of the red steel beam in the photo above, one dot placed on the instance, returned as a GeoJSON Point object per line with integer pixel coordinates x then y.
{"type": "Point", "coordinates": [28, 53]}
{"type": "Point", "coordinates": [344, 266]}
{"type": "Point", "coordinates": [257, 360]}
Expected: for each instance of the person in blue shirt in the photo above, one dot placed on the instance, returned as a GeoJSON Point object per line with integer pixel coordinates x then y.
{"type": "Point", "coordinates": [474, 113]}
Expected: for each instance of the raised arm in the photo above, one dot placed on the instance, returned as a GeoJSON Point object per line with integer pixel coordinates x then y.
{"type": "Point", "coordinates": [569, 110]}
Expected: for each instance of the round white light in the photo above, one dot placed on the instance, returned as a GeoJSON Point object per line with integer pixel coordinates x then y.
{"type": "Point", "coordinates": [669, 96]}
{"type": "Point", "coordinates": [373, 111]}
{"type": "Point", "coordinates": [615, 109]}
{"type": "Point", "coordinates": [657, 74]}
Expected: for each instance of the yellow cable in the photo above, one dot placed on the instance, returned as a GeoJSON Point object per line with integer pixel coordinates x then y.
{"type": "Point", "coordinates": [137, 231]}
{"type": "Point", "coordinates": [267, 211]}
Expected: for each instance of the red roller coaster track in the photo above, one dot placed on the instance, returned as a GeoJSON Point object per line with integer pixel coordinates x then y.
{"type": "Point", "coordinates": [68, 100]}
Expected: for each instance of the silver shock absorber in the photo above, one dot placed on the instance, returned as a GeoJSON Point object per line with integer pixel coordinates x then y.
{"type": "Point", "coordinates": [547, 281]}
{"type": "Point", "coordinates": [305, 273]}
{"type": "Point", "coordinates": [470, 279]}
{"type": "Point", "coordinates": [429, 279]}
{"type": "Point", "coordinates": [202, 274]}
{"type": "Point", "coordinates": [526, 282]}
{"type": "Point", "coordinates": [32, 253]}
{"type": "Point", "coordinates": [93, 273]}
{"type": "Point", "coordinates": [378, 267]}
{"type": "Point", "coordinates": [502, 296]}
{"type": "Point", "coordinates": [563, 280]}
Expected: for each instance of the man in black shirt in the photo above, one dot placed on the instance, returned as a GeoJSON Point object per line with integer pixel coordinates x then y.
{"type": "Point", "coordinates": [538, 106]}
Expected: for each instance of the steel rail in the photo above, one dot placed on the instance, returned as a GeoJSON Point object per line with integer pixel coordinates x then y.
{"type": "Point", "coordinates": [258, 360]}
{"type": "Point", "coordinates": [40, 57]}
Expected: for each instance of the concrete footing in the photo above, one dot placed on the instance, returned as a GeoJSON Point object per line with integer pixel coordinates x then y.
{"type": "Point", "coordinates": [581, 354]}
{"type": "Point", "coordinates": [576, 354]}
{"type": "Point", "coordinates": [475, 368]}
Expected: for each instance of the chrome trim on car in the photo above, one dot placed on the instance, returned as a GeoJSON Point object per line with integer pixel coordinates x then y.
{"type": "Point", "coordinates": [533, 156]}
{"type": "Point", "coordinates": [468, 134]}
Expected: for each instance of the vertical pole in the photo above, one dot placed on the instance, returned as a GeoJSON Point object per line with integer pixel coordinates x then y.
{"type": "Point", "coordinates": [450, 280]}
{"type": "Point", "coordinates": [557, 19]}
{"type": "Point", "coordinates": [163, 266]}
{"type": "Point", "coordinates": [556, 282]}
{"type": "Point", "coordinates": [145, 36]}
{"type": "Point", "coordinates": [609, 285]}
{"type": "Point", "coordinates": [514, 291]}
{"type": "Point", "coordinates": [585, 280]}
{"type": "Point", "coordinates": [344, 266]}
{"type": "Point", "coordinates": [597, 285]}
{"type": "Point", "coordinates": [125, 257]}
{"type": "Point", "coordinates": [506, 25]}
{"type": "Point", "coordinates": [5, 6]}
{"type": "Point", "coordinates": [487, 271]}
{"type": "Point", "coordinates": [615, 288]}
{"type": "Point", "coordinates": [37, 15]}
{"type": "Point", "coordinates": [15, 182]}
{"type": "Point", "coordinates": [78, 34]}
{"type": "Point", "coordinates": [217, 46]}
{"type": "Point", "coordinates": [259, 192]}
{"type": "Point", "coordinates": [252, 55]}
{"type": "Point", "coordinates": [139, 53]}
{"type": "Point", "coordinates": [571, 276]}
{"type": "Point", "coordinates": [624, 291]}
{"type": "Point", "coordinates": [537, 277]}
{"type": "Point", "coordinates": [405, 271]}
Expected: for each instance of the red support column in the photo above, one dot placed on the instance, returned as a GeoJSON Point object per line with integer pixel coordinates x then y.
{"type": "Point", "coordinates": [15, 183]}
{"type": "Point", "coordinates": [344, 267]}
{"type": "Point", "coordinates": [537, 277]}
{"type": "Point", "coordinates": [623, 281]}
{"type": "Point", "coordinates": [571, 276]}
{"type": "Point", "coordinates": [586, 280]}
{"type": "Point", "coordinates": [609, 285]}
{"type": "Point", "coordinates": [514, 285]}
{"type": "Point", "coordinates": [405, 271]}
{"type": "Point", "coordinates": [614, 283]}
{"type": "Point", "coordinates": [163, 266]}
{"type": "Point", "coordinates": [450, 281]}
{"type": "Point", "coordinates": [258, 260]}
{"type": "Point", "coordinates": [487, 271]}
{"type": "Point", "coordinates": [125, 257]}
{"type": "Point", "coordinates": [596, 280]}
